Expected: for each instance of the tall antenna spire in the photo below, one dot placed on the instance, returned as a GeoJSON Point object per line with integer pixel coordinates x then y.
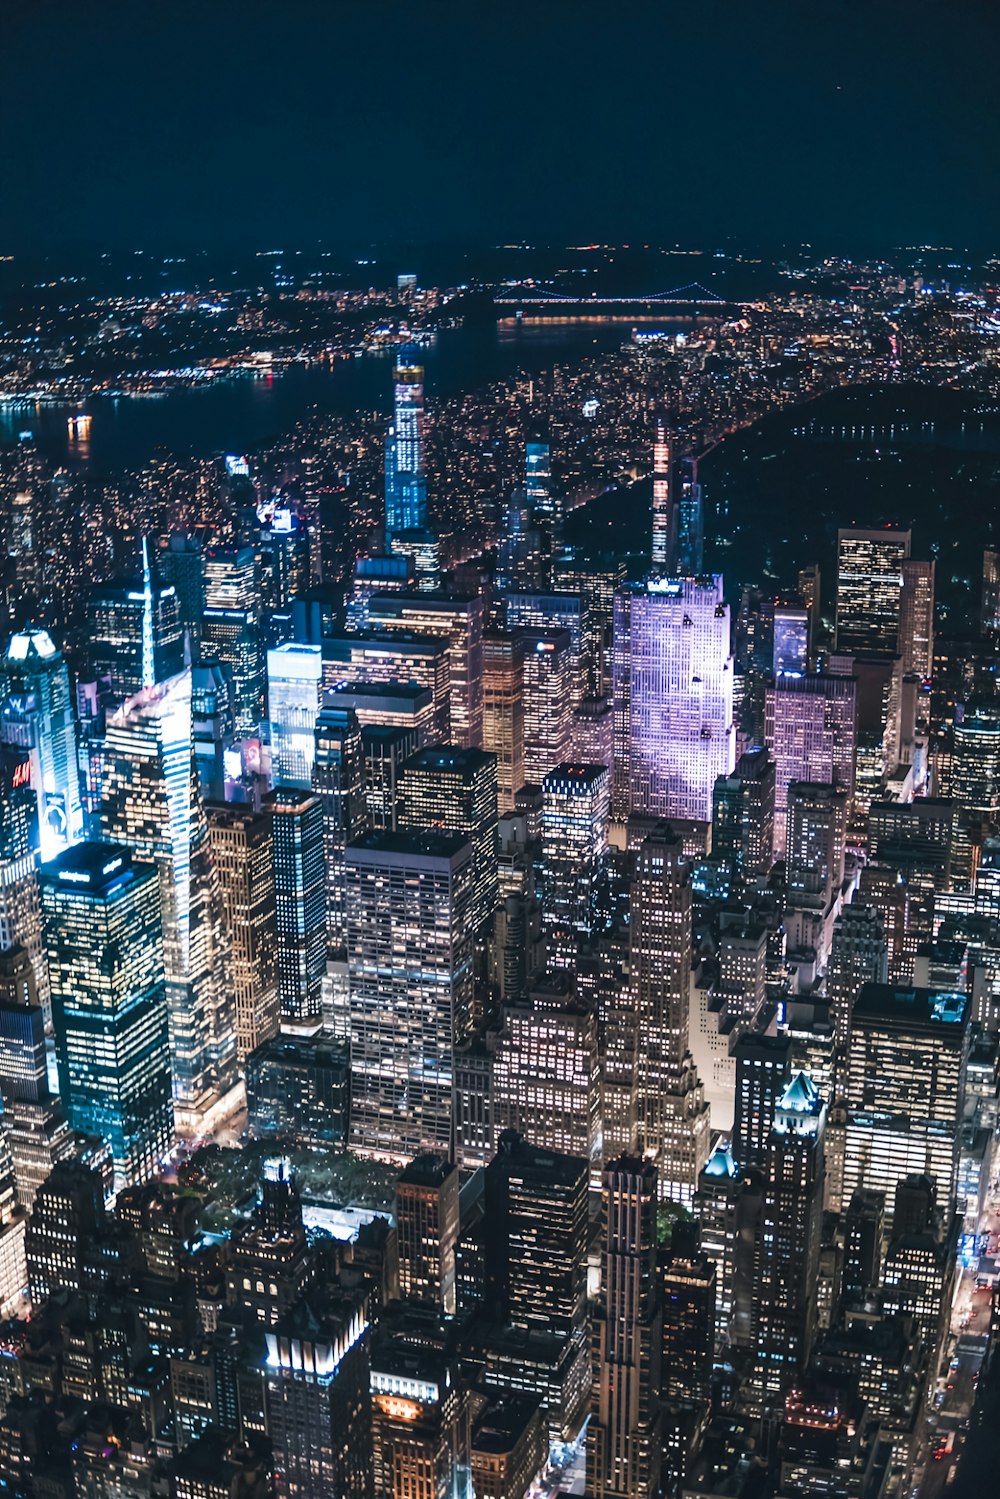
{"type": "Point", "coordinates": [148, 667]}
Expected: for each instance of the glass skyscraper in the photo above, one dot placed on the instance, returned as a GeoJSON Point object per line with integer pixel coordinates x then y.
{"type": "Point", "coordinates": [405, 484]}
{"type": "Point", "coordinates": [109, 1002]}
{"type": "Point", "coordinates": [151, 802]}
{"type": "Point", "coordinates": [38, 717]}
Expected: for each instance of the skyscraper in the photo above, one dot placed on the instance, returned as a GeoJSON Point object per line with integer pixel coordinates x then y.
{"type": "Point", "coordinates": [576, 809]}
{"type": "Point", "coordinates": [241, 845]}
{"type": "Point", "coordinates": [300, 902]}
{"type": "Point", "coordinates": [763, 1070]}
{"type": "Point", "coordinates": [151, 802]}
{"type": "Point", "coordinates": [408, 912]}
{"type": "Point", "coordinates": [785, 1292]}
{"type": "Point", "coordinates": [743, 816]}
{"type": "Point", "coordinates": [339, 782]}
{"type": "Point", "coordinates": [672, 1113]}
{"type": "Point", "coordinates": [690, 560]}
{"type": "Point", "coordinates": [791, 640]}
{"type": "Point", "coordinates": [548, 702]}
{"type": "Point", "coordinates": [905, 1087]}
{"type": "Point", "coordinates": [503, 712]}
{"type": "Point", "coordinates": [109, 1003]}
{"type": "Point", "coordinates": [809, 730]}
{"type": "Point", "coordinates": [673, 696]}
{"type": "Point", "coordinates": [624, 1440]}
{"type": "Point", "coordinates": [459, 620]}
{"type": "Point", "coordinates": [427, 1222]}
{"type": "Point", "coordinates": [916, 618]}
{"type": "Point", "coordinates": [663, 517]}
{"type": "Point", "coordinates": [405, 482]}
{"type": "Point", "coordinates": [294, 689]}
{"type": "Point", "coordinates": [20, 900]}
{"type": "Point", "coordinates": [38, 717]}
{"type": "Point", "coordinates": [455, 791]}
{"type": "Point", "coordinates": [133, 631]}
{"type": "Point", "coordinates": [870, 590]}
{"type": "Point", "coordinates": [230, 628]}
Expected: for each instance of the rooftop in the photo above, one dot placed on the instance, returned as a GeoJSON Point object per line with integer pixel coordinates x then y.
{"type": "Point", "coordinates": [906, 1007]}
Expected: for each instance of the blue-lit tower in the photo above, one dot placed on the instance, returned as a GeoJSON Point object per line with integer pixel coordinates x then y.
{"type": "Point", "coordinates": [405, 483]}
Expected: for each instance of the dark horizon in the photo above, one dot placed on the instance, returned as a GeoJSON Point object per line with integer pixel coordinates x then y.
{"type": "Point", "coordinates": [179, 126]}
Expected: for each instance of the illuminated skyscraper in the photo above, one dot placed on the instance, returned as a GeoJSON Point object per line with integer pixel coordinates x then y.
{"type": "Point", "coordinates": [690, 560]}
{"type": "Point", "coordinates": [672, 1113]}
{"type": "Point", "coordinates": [230, 629]}
{"type": "Point", "coordinates": [557, 611]}
{"type": "Point", "coordinates": [394, 658]}
{"type": "Point", "coordinates": [339, 782]}
{"type": "Point", "coordinates": [460, 621]}
{"type": "Point", "coordinates": [870, 590]}
{"type": "Point", "coordinates": [35, 1118]}
{"type": "Point", "coordinates": [905, 1086]}
{"type": "Point", "coordinates": [791, 641]}
{"type": "Point", "coordinates": [916, 619]}
{"type": "Point", "coordinates": [410, 941]}
{"type": "Point", "coordinates": [624, 1444]}
{"type": "Point", "coordinates": [673, 697]}
{"type": "Point", "coordinates": [455, 791]}
{"type": "Point", "coordinates": [241, 845]}
{"type": "Point", "coordinates": [109, 1003]}
{"type": "Point", "coordinates": [294, 689]}
{"type": "Point", "coordinates": [575, 815]}
{"type": "Point", "coordinates": [549, 674]}
{"type": "Point", "coordinates": [989, 610]}
{"type": "Point", "coordinates": [663, 516]}
{"type": "Point", "coordinates": [20, 900]}
{"type": "Point", "coordinates": [151, 802]}
{"type": "Point", "coordinates": [126, 624]}
{"type": "Point", "coordinates": [503, 712]}
{"type": "Point", "coordinates": [975, 787]}
{"type": "Point", "coordinates": [785, 1292]}
{"type": "Point", "coordinates": [545, 506]}
{"type": "Point", "coordinates": [427, 1221]}
{"type": "Point", "coordinates": [300, 902]}
{"type": "Point", "coordinates": [38, 717]}
{"type": "Point", "coordinates": [520, 554]}
{"type": "Point", "coordinates": [547, 1070]}
{"type": "Point", "coordinates": [809, 729]}
{"type": "Point", "coordinates": [405, 483]}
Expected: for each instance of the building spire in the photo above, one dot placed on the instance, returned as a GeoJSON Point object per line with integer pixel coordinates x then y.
{"type": "Point", "coordinates": [148, 666]}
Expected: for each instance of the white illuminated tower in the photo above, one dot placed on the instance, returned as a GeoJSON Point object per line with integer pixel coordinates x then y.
{"type": "Point", "coordinates": [662, 498]}
{"type": "Point", "coordinates": [38, 717]}
{"type": "Point", "coordinates": [151, 802]}
{"type": "Point", "coordinates": [405, 484]}
{"type": "Point", "coordinates": [673, 697]}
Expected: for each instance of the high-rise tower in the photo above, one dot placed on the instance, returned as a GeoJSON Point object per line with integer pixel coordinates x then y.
{"type": "Point", "coordinates": [405, 484]}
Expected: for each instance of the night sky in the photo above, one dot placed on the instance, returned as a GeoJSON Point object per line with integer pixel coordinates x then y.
{"type": "Point", "coordinates": [163, 123]}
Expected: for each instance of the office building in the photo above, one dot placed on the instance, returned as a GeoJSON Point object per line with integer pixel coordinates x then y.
{"type": "Point", "coordinates": [859, 955]}
{"type": "Point", "coordinates": [791, 641]}
{"type": "Point", "coordinates": [410, 939]}
{"type": "Point", "coordinates": [339, 780]}
{"type": "Point", "coordinates": [508, 1447]}
{"type": "Point", "coordinates": [134, 631]}
{"type": "Point", "coordinates": [743, 816]}
{"type": "Point", "coordinates": [624, 1445]}
{"type": "Point", "coordinates": [870, 590]}
{"type": "Point", "coordinates": [299, 1087]}
{"type": "Point", "coordinates": [241, 846]}
{"type": "Point", "coordinates": [38, 718]}
{"type": "Point", "coordinates": [536, 1237]}
{"type": "Point", "coordinates": [427, 1222]}
{"type": "Point", "coordinates": [809, 730]}
{"type": "Point", "coordinates": [455, 791]}
{"type": "Point", "coordinates": [975, 788]}
{"type": "Point", "coordinates": [690, 559]}
{"type": "Point", "coordinates": [420, 1414]}
{"type": "Point", "coordinates": [388, 705]}
{"type": "Point", "coordinates": [905, 1088]}
{"type": "Point", "coordinates": [547, 1069]}
{"type": "Point", "coordinates": [151, 802]}
{"type": "Point", "coordinates": [548, 702]}
{"type": "Point", "coordinates": [503, 712]}
{"type": "Point", "coordinates": [37, 1130]}
{"type": "Point", "coordinates": [397, 657]}
{"type": "Point", "coordinates": [688, 1292]}
{"type": "Point", "coordinates": [20, 900]}
{"type": "Point", "coordinates": [763, 1071]}
{"type": "Point", "coordinates": [815, 840]}
{"type": "Point", "coordinates": [294, 690]}
{"type": "Point", "coordinates": [670, 1099]}
{"type": "Point", "coordinates": [230, 628]}
{"type": "Point", "coordinates": [718, 1211]}
{"type": "Point", "coordinates": [522, 553]}
{"type": "Point", "coordinates": [213, 727]}
{"type": "Point", "coordinates": [786, 1286]}
{"type": "Point", "coordinates": [109, 1004]}
{"type": "Point", "coordinates": [300, 902]}
{"type": "Point", "coordinates": [673, 697]}
{"type": "Point", "coordinates": [459, 620]}
{"type": "Point", "coordinates": [405, 481]}
{"type": "Point", "coordinates": [576, 811]}
{"type": "Point", "coordinates": [180, 563]}
{"type": "Point", "coordinates": [557, 611]}
{"type": "Point", "coordinates": [916, 619]}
